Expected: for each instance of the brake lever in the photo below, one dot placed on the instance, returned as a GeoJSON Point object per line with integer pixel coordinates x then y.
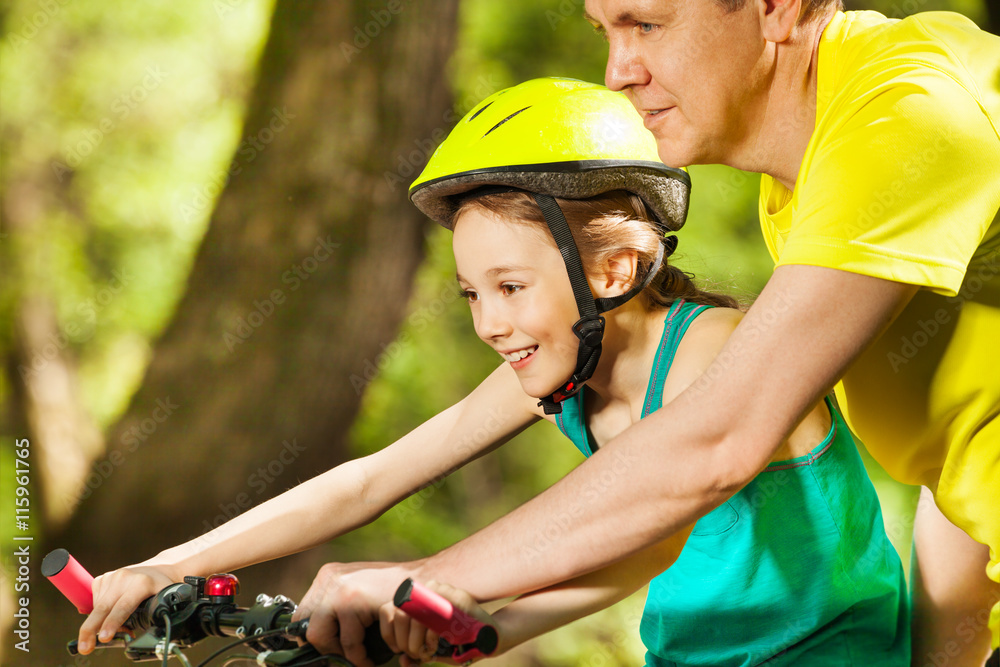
{"type": "Point", "coordinates": [118, 641]}
{"type": "Point", "coordinates": [307, 656]}
{"type": "Point", "coordinates": [303, 656]}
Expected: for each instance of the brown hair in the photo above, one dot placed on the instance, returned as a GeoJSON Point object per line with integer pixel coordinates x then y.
{"type": "Point", "coordinates": [810, 8]}
{"type": "Point", "coordinates": [602, 227]}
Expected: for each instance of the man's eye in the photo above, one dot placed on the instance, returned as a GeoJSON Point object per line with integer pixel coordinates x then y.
{"type": "Point", "coordinates": [646, 28]}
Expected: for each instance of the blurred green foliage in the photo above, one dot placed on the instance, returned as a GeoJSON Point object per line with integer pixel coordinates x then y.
{"type": "Point", "coordinates": [121, 118]}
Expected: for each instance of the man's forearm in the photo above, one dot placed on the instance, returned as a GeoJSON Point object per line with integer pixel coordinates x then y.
{"type": "Point", "coordinates": [610, 507]}
{"type": "Point", "coordinates": [674, 466]}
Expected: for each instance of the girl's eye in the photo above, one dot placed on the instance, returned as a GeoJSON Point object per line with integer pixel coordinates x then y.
{"type": "Point", "coordinates": [468, 295]}
{"type": "Point", "coordinates": [509, 289]}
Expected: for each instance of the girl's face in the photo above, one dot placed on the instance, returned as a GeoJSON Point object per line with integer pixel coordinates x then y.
{"type": "Point", "coordinates": [520, 296]}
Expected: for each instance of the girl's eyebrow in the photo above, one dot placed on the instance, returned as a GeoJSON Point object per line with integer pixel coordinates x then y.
{"type": "Point", "coordinates": [497, 271]}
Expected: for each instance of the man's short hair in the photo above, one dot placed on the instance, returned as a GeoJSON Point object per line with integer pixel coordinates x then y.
{"type": "Point", "coordinates": [810, 8]}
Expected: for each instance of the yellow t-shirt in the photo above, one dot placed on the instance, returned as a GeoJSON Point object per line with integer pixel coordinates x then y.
{"type": "Point", "coordinates": [901, 180]}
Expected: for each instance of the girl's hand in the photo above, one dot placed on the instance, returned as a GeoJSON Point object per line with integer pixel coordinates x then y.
{"type": "Point", "coordinates": [116, 595]}
{"type": "Point", "coordinates": [406, 635]}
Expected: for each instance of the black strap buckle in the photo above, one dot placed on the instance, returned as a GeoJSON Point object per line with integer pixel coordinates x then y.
{"type": "Point", "coordinates": [590, 330]}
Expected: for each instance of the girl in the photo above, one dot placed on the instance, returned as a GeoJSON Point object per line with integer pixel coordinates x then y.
{"type": "Point", "coordinates": [559, 209]}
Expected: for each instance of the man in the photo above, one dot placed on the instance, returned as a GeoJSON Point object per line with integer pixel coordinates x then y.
{"type": "Point", "coordinates": [878, 146]}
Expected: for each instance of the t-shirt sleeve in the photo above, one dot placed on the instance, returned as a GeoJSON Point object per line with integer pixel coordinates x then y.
{"type": "Point", "coordinates": [902, 182]}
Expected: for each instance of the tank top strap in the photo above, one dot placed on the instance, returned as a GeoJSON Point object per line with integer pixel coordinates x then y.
{"type": "Point", "coordinates": [679, 317]}
{"type": "Point", "coordinates": [572, 421]}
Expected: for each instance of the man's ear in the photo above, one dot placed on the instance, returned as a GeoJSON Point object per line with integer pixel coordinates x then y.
{"type": "Point", "coordinates": [617, 275]}
{"type": "Point", "coordinates": [778, 18]}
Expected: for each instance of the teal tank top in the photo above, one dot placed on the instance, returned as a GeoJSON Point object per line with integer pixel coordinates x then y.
{"type": "Point", "coordinates": [795, 569]}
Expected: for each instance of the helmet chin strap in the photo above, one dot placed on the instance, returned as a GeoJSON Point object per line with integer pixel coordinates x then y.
{"type": "Point", "coordinates": [590, 327]}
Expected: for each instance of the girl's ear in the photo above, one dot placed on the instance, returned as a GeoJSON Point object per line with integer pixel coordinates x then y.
{"type": "Point", "coordinates": [617, 274]}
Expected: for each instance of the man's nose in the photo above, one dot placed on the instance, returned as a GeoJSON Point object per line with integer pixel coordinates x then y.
{"type": "Point", "coordinates": [624, 68]}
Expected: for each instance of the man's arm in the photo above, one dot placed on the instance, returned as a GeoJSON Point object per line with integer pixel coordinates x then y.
{"type": "Point", "coordinates": [679, 463]}
{"type": "Point", "coordinates": [662, 473]}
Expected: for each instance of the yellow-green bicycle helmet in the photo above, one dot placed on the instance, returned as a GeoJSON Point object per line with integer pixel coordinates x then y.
{"type": "Point", "coordinates": [557, 138]}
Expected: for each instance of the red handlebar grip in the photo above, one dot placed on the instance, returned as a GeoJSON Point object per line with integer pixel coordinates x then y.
{"type": "Point", "coordinates": [470, 637]}
{"type": "Point", "coordinates": [70, 578]}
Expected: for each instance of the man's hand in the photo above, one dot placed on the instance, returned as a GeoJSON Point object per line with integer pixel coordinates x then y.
{"type": "Point", "coordinates": [344, 599]}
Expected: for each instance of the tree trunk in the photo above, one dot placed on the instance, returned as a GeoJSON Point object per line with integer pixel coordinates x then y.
{"type": "Point", "coordinates": [301, 279]}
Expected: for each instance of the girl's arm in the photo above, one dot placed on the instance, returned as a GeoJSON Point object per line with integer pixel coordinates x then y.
{"type": "Point", "coordinates": [545, 610]}
{"type": "Point", "coordinates": [541, 611]}
{"type": "Point", "coordinates": [359, 491]}
{"type": "Point", "coordinates": [335, 502]}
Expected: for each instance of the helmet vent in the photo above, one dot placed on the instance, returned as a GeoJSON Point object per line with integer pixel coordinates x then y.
{"type": "Point", "coordinates": [506, 119]}
{"type": "Point", "coordinates": [479, 112]}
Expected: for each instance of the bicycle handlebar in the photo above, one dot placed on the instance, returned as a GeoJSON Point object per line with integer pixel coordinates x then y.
{"type": "Point", "coordinates": [201, 607]}
{"type": "Point", "coordinates": [70, 578]}
{"type": "Point", "coordinates": [470, 638]}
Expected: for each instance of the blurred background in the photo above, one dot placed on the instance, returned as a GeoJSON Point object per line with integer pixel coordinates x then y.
{"type": "Point", "coordinates": [213, 285]}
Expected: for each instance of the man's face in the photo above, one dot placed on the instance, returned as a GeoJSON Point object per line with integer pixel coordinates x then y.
{"type": "Point", "coordinates": [696, 73]}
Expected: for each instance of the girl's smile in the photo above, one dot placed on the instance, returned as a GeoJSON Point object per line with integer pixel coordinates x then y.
{"type": "Point", "coordinates": [518, 356]}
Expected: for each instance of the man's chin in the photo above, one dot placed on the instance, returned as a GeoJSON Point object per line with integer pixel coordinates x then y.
{"type": "Point", "coordinates": [673, 155]}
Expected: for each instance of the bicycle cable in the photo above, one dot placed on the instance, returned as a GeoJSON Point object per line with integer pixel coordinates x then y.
{"type": "Point", "coordinates": [180, 656]}
{"type": "Point", "coordinates": [236, 643]}
{"type": "Point", "coordinates": [166, 641]}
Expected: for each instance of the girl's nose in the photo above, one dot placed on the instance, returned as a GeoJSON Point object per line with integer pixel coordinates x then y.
{"type": "Point", "coordinates": [491, 323]}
